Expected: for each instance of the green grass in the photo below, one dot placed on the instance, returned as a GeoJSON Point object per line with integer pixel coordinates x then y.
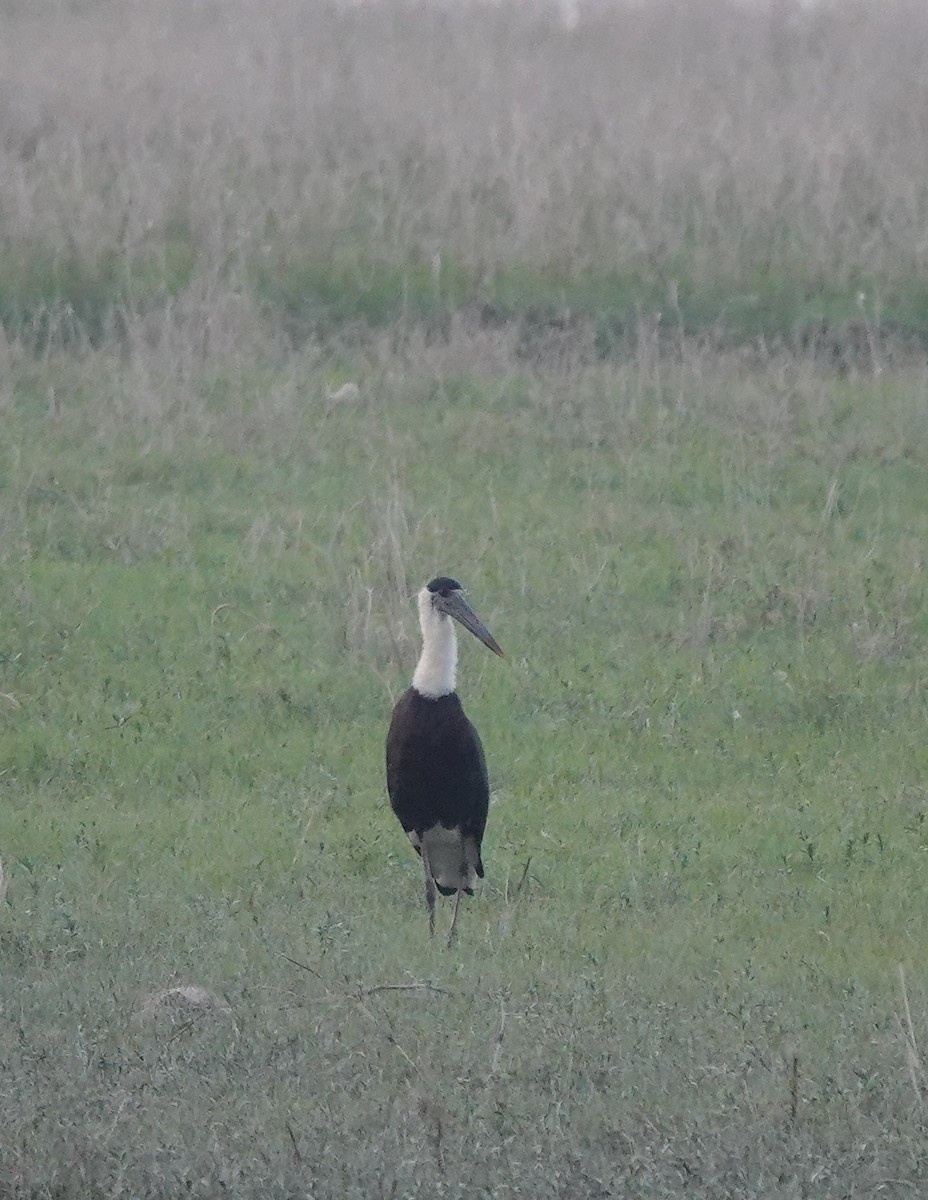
{"type": "Point", "coordinates": [52, 299]}
{"type": "Point", "coordinates": [707, 740]}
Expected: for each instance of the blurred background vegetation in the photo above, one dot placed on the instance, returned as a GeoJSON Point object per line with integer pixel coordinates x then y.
{"type": "Point", "coordinates": [744, 170]}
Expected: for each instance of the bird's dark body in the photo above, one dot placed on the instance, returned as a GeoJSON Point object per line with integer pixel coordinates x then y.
{"type": "Point", "coordinates": [437, 776]}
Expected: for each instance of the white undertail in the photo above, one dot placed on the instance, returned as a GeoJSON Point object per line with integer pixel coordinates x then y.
{"type": "Point", "coordinates": [453, 858]}
{"type": "Point", "coordinates": [436, 670]}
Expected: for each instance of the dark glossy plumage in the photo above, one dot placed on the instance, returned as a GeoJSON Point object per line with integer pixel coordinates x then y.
{"type": "Point", "coordinates": [443, 584]}
{"type": "Point", "coordinates": [437, 777]}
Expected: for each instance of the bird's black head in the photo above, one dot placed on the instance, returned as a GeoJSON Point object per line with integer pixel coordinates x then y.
{"type": "Point", "coordinates": [446, 597]}
{"type": "Point", "coordinates": [443, 586]}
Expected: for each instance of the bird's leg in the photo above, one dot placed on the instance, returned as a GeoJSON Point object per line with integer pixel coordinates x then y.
{"type": "Point", "coordinates": [429, 890]}
{"type": "Point", "coordinates": [454, 920]}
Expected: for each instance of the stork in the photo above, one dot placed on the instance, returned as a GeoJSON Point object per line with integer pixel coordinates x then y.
{"type": "Point", "coordinates": [436, 770]}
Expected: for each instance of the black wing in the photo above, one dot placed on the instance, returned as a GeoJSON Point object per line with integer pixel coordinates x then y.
{"type": "Point", "coordinates": [436, 769]}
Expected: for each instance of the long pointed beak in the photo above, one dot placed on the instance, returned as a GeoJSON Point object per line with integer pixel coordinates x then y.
{"type": "Point", "coordinates": [456, 606]}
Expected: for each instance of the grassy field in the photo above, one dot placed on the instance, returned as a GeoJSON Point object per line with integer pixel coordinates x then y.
{"type": "Point", "coordinates": [707, 742]}
{"type": "Point", "coordinates": [697, 964]}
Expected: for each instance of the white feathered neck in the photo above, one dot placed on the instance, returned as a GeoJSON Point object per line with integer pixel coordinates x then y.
{"type": "Point", "coordinates": [436, 670]}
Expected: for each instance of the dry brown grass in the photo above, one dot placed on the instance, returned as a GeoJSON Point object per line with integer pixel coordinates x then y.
{"type": "Point", "coordinates": [701, 137]}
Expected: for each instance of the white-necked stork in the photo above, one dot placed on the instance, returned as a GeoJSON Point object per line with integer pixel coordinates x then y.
{"type": "Point", "coordinates": [436, 770]}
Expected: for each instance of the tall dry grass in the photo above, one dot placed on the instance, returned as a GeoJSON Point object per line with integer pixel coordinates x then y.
{"type": "Point", "coordinates": [701, 138]}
